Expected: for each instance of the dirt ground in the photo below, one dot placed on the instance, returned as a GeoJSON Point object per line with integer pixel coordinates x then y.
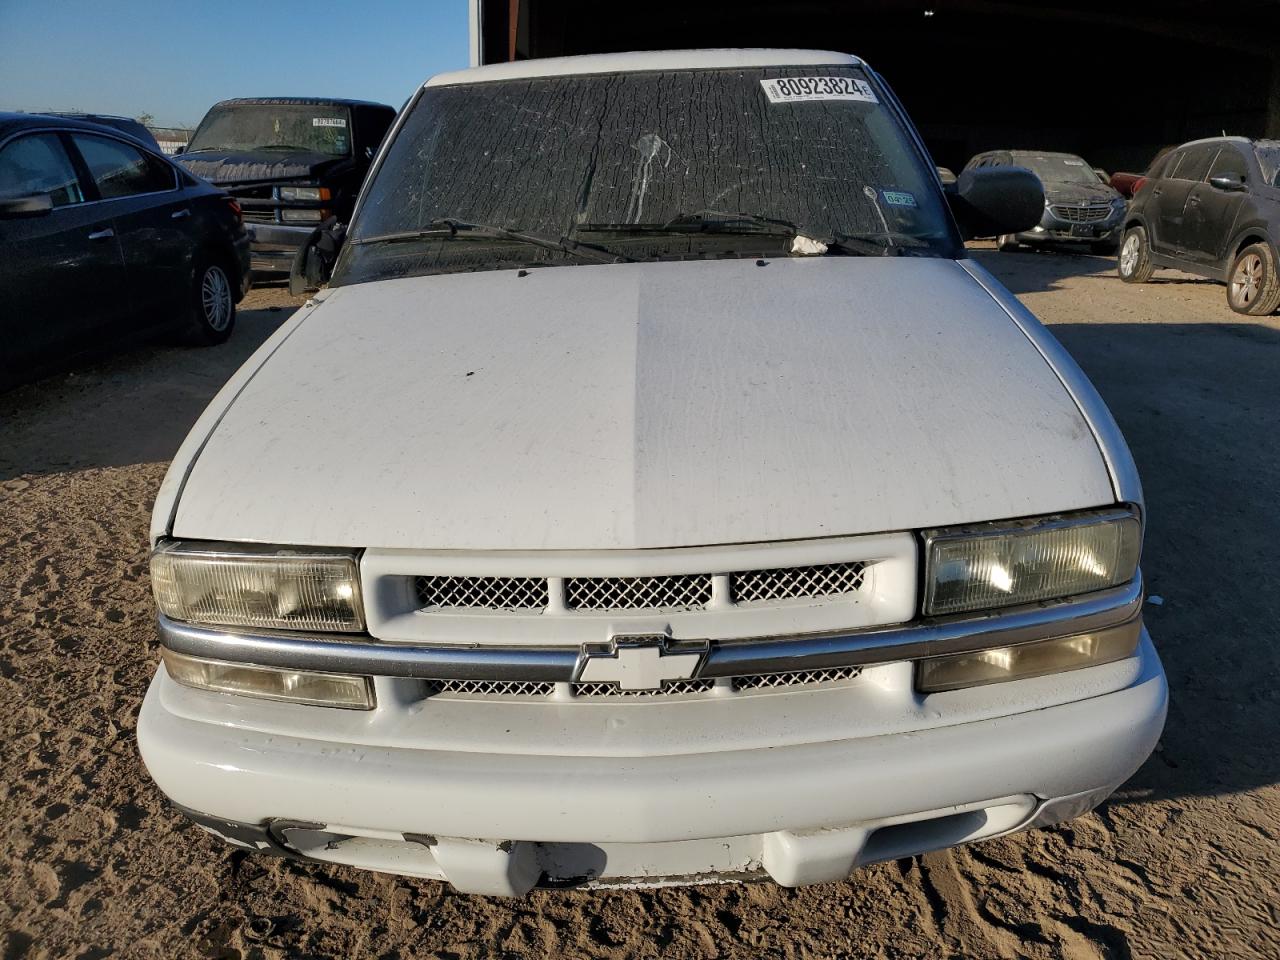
{"type": "Point", "coordinates": [1181, 862]}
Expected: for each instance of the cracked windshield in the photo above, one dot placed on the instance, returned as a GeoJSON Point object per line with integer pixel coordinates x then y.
{"type": "Point", "coordinates": [683, 164]}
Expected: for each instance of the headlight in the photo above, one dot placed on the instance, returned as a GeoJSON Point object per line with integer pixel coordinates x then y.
{"type": "Point", "coordinates": [1004, 564]}
{"type": "Point", "coordinates": [241, 585]}
{"type": "Point", "coordinates": [303, 195]}
{"type": "Point", "coordinates": [271, 683]}
{"type": "Point", "coordinates": [1034, 659]}
{"type": "Point", "coordinates": [293, 194]}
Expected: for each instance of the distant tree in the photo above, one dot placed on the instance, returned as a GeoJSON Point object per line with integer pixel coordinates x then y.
{"type": "Point", "coordinates": [145, 119]}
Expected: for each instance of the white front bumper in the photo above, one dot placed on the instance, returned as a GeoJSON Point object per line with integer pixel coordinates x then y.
{"type": "Point", "coordinates": [802, 812]}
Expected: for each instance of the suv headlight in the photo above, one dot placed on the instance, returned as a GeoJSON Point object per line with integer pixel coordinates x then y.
{"type": "Point", "coordinates": [1025, 561]}
{"type": "Point", "coordinates": [243, 585]}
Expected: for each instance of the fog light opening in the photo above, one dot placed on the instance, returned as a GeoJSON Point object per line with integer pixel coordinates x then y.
{"type": "Point", "coordinates": [1023, 661]}
{"type": "Point", "coordinates": [343, 691]}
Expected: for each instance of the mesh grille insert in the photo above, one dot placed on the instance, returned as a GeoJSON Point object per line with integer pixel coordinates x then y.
{"type": "Point", "coordinates": [798, 678]}
{"type": "Point", "coordinates": [789, 583]}
{"type": "Point", "coordinates": [682, 592]}
{"type": "Point", "coordinates": [501, 689]}
{"type": "Point", "coordinates": [494, 688]}
{"type": "Point", "coordinates": [484, 593]}
{"type": "Point", "coordinates": [672, 688]}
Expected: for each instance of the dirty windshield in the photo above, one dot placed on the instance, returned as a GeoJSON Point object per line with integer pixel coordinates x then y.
{"type": "Point", "coordinates": [1058, 169]}
{"type": "Point", "coordinates": [274, 127]}
{"type": "Point", "coordinates": [679, 164]}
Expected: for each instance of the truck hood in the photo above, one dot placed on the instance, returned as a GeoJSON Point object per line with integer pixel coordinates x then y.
{"type": "Point", "coordinates": [231, 168]}
{"type": "Point", "coordinates": [644, 405]}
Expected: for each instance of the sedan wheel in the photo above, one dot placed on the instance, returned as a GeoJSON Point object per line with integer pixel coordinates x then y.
{"type": "Point", "coordinates": [215, 298]}
{"type": "Point", "coordinates": [211, 307]}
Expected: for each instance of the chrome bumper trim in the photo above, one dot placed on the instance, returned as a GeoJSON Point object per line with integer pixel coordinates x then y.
{"type": "Point", "coordinates": [912, 641]}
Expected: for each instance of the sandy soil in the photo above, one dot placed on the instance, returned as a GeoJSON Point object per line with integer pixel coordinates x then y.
{"type": "Point", "coordinates": [1180, 863]}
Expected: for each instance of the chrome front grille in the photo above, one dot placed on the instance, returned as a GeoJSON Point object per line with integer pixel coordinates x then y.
{"type": "Point", "coordinates": [1076, 213]}
{"type": "Point", "coordinates": [796, 583]}
{"type": "Point", "coordinates": [537, 690]}
{"type": "Point", "coordinates": [685, 592]}
{"type": "Point", "coordinates": [250, 198]}
{"type": "Point", "coordinates": [482, 593]}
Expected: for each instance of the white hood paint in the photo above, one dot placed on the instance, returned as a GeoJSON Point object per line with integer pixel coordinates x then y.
{"type": "Point", "coordinates": [645, 405]}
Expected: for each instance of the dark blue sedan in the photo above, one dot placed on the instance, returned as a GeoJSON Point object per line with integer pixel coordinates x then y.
{"type": "Point", "coordinates": [104, 242]}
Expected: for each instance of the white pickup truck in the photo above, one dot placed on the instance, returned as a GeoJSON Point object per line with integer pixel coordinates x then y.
{"type": "Point", "coordinates": [657, 493]}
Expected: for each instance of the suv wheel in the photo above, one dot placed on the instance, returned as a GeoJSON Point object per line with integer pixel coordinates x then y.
{"type": "Point", "coordinates": [212, 307]}
{"type": "Point", "coordinates": [1253, 287]}
{"type": "Point", "coordinates": [1134, 263]}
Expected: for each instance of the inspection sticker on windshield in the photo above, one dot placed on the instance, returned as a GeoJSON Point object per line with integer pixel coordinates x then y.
{"type": "Point", "coordinates": [799, 89]}
{"type": "Point", "coordinates": [899, 198]}
{"type": "Point", "coordinates": [328, 122]}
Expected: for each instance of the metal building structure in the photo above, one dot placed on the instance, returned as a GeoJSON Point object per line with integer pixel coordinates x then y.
{"type": "Point", "coordinates": [1114, 80]}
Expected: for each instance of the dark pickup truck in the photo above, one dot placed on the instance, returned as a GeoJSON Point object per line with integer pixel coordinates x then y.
{"type": "Point", "coordinates": [290, 162]}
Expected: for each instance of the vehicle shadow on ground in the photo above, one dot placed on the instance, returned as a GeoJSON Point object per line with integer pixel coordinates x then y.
{"type": "Point", "coordinates": [1035, 271]}
{"type": "Point", "coordinates": [1199, 406]}
{"type": "Point", "coordinates": [132, 407]}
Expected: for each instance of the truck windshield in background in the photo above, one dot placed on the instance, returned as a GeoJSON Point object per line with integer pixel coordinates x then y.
{"type": "Point", "coordinates": [652, 164]}
{"type": "Point", "coordinates": [294, 128]}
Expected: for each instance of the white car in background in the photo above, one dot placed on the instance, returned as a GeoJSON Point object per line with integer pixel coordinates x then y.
{"type": "Point", "coordinates": [657, 493]}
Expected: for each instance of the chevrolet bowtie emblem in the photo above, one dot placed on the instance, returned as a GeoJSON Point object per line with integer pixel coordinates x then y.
{"type": "Point", "coordinates": [639, 662]}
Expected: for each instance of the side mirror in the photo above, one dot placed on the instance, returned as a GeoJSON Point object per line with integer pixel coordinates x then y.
{"type": "Point", "coordinates": [1230, 182]}
{"type": "Point", "coordinates": [313, 263]}
{"type": "Point", "coordinates": [180, 148]}
{"type": "Point", "coordinates": [988, 201]}
{"type": "Point", "coordinates": [36, 205]}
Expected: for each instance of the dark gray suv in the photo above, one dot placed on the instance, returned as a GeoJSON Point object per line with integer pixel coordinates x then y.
{"type": "Point", "coordinates": [1211, 207]}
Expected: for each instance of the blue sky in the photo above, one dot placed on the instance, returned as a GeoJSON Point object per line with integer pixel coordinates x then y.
{"type": "Point", "coordinates": [176, 58]}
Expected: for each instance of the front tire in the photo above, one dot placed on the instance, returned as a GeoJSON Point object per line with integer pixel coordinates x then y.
{"type": "Point", "coordinates": [1253, 287]}
{"type": "Point", "coordinates": [212, 305]}
{"type": "Point", "coordinates": [1134, 263]}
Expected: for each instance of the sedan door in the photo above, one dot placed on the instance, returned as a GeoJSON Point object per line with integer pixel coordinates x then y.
{"type": "Point", "coordinates": [62, 276]}
{"type": "Point", "coordinates": [153, 221]}
{"type": "Point", "coordinates": [1212, 211]}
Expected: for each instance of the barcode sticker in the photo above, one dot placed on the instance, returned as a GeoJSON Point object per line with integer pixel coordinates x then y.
{"type": "Point", "coordinates": [800, 89]}
{"type": "Point", "coordinates": [328, 122]}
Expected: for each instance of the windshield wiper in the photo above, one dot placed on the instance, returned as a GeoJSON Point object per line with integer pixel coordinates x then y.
{"type": "Point", "coordinates": [878, 244]}
{"type": "Point", "coordinates": [448, 228]}
{"type": "Point", "coordinates": [701, 221]}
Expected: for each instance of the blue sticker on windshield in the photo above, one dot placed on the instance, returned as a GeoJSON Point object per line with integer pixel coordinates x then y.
{"type": "Point", "coordinates": [899, 198]}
